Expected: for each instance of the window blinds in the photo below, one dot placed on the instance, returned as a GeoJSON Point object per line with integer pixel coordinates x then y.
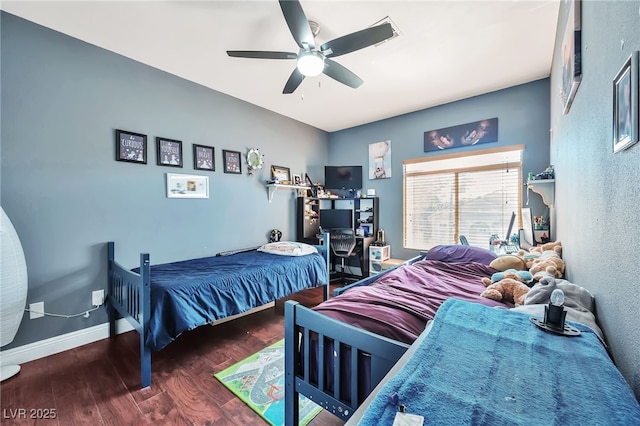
{"type": "Point", "coordinates": [471, 194]}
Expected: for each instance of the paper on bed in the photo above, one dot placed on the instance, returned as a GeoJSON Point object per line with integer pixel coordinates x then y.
{"type": "Point", "coordinates": [481, 365]}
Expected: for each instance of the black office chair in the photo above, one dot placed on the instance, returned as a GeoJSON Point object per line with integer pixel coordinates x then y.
{"type": "Point", "coordinates": [343, 245]}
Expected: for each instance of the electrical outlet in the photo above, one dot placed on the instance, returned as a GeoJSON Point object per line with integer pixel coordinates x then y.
{"type": "Point", "coordinates": [97, 298]}
{"type": "Point", "coordinates": [36, 310]}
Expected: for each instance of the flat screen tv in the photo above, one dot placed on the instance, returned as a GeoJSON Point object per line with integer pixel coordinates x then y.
{"type": "Point", "coordinates": [343, 177]}
{"type": "Point", "coordinates": [336, 219]}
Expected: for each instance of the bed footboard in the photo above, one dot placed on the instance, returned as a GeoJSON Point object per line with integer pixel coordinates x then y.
{"type": "Point", "coordinates": [325, 251]}
{"type": "Point", "coordinates": [302, 326]}
{"type": "Point", "coordinates": [128, 295]}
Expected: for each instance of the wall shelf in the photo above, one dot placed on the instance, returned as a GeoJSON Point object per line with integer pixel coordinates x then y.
{"type": "Point", "coordinates": [545, 188]}
{"type": "Point", "coordinates": [273, 187]}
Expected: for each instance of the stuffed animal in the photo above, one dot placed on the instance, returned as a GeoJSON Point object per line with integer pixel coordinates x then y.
{"type": "Point", "coordinates": [275, 236]}
{"type": "Point", "coordinates": [509, 261]}
{"type": "Point", "coordinates": [548, 262]}
{"type": "Point", "coordinates": [522, 276]}
{"type": "Point", "coordinates": [507, 290]}
{"type": "Point", "coordinates": [507, 286]}
{"type": "Point", "coordinates": [554, 245]}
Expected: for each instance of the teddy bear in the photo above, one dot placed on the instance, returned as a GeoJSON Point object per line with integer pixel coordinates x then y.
{"type": "Point", "coordinates": [548, 262]}
{"type": "Point", "coordinates": [507, 290]}
{"type": "Point", "coordinates": [541, 248]}
{"type": "Point", "coordinates": [509, 261]}
{"type": "Point", "coordinates": [524, 276]}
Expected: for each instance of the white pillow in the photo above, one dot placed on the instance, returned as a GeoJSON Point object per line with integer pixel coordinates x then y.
{"type": "Point", "coordinates": [288, 248]}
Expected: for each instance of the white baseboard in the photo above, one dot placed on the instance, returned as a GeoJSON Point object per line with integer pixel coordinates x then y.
{"type": "Point", "coordinates": [64, 342]}
{"type": "Point", "coordinates": [57, 344]}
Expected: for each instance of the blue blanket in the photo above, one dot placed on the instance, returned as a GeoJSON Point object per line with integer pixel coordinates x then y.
{"type": "Point", "coordinates": [191, 293]}
{"type": "Point", "coordinates": [481, 365]}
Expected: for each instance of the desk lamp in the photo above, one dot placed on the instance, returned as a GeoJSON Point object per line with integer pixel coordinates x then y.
{"type": "Point", "coordinates": [555, 315]}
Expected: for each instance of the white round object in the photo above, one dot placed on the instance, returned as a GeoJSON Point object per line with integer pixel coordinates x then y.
{"type": "Point", "coordinates": [13, 281]}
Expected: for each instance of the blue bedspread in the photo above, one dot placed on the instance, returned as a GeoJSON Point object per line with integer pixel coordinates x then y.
{"type": "Point", "coordinates": [191, 293]}
{"type": "Point", "coordinates": [481, 365]}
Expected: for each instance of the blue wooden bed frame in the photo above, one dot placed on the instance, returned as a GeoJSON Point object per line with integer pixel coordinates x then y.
{"type": "Point", "coordinates": [129, 295]}
{"type": "Point", "coordinates": [300, 324]}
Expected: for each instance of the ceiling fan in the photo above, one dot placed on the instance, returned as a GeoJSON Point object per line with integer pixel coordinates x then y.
{"type": "Point", "coordinates": [313, 61]}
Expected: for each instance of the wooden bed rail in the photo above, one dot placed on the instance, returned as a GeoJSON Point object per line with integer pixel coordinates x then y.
{"type": "Point", "coordinates": [301, 324]}
{"type": "Point", "coordinates": [325, 251]}
{"type": "Point", "coordinates": [128, 295]}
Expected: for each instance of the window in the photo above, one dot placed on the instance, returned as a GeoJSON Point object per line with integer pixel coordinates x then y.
{"type": "Point", "coordinates": [471, 194]}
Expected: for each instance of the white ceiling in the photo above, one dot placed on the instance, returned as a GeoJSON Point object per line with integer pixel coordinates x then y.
{"type": "Point", "coordinates": [447, 50]}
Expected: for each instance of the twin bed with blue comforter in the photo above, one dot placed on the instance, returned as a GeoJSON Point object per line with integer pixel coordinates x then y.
{"type": "Point", "coordinates": [420, 338]}
{"type": "Point", "coordinates": [481, 365]}
{"type": "Point", "coordinates": [163, 301]}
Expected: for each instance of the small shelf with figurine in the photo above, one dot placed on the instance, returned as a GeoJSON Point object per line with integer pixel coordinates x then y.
{"type": "Point", "coordinates": [543, 184]}
{"type": "Point", "coordinates": [273, 187]}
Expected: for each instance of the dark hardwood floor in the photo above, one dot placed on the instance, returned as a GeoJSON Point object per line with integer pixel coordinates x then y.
{"type": "Point", "coordinates": [99, 383]}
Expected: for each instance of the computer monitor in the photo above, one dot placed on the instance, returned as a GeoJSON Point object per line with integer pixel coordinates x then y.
{"type": "Point", "coordinates": [336, 219]}
{"type": "Point", "coordinates": [343, 177]}
{"type": "Point", "coordinates": [507, 238]}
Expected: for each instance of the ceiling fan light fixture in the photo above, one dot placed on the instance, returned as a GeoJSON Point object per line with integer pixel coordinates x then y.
{"type": "Point", "coordinates": [311, 63]}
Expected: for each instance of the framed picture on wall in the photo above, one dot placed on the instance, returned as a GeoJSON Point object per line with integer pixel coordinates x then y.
{"type": "Point", "coordinates": [231, 161]}
{"type": "Point", "coordinates": [169, 152]}
{"type": "Point", "coordinates": [380, 160]}
{"type": "Point", "coordinates": [203, 157]}
{"type": "Point", "coordinates": [131, 147]}
{"type": "Point", "coordinates": [281, 174]}
{"type": "Point", "coordinates": [478, 132]}
{"type": "Point", "coordinates": [625, 104]}
{"type": "Point", "coordinates": [571, 55]}
{"type": "Point", "coordinates": [187, 186]}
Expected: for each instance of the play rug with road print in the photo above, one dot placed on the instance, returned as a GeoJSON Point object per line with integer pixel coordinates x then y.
{"type": "Point", "coordinates": [259, 382]}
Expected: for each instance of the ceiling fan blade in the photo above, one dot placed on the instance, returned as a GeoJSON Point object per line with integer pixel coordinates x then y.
{"type": "Point", "coordinates": [256, 54]}
{"type": "Point", "coordinates": [298, 23]}
{"type": "Point", "coordinates": [358, 40]}
{"type": "Point", "coordinates": [341, 74]}
{"type": "Point", "coordinates": [294, 81]}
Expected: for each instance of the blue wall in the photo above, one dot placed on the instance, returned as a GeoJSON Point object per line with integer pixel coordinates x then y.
{"type": "Point", "coordinates": [62, 100]}
{"type": "Point", "coordinates": [597, 191]}
{"type": "Point", "coordinates": [523, 118]}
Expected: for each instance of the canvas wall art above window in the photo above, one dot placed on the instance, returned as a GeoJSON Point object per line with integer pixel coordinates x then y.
{"type": "Point", "coordinates": [169, 152]}
{"type": "Point", "coordinates": [483, 131]}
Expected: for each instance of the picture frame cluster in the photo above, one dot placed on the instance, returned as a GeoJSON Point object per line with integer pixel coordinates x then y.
{"type": "Point", "coordinates": [132, 147]}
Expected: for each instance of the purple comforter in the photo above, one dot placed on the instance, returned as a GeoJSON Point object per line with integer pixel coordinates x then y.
{"type": "Point", "coordinates": [399, 304]}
